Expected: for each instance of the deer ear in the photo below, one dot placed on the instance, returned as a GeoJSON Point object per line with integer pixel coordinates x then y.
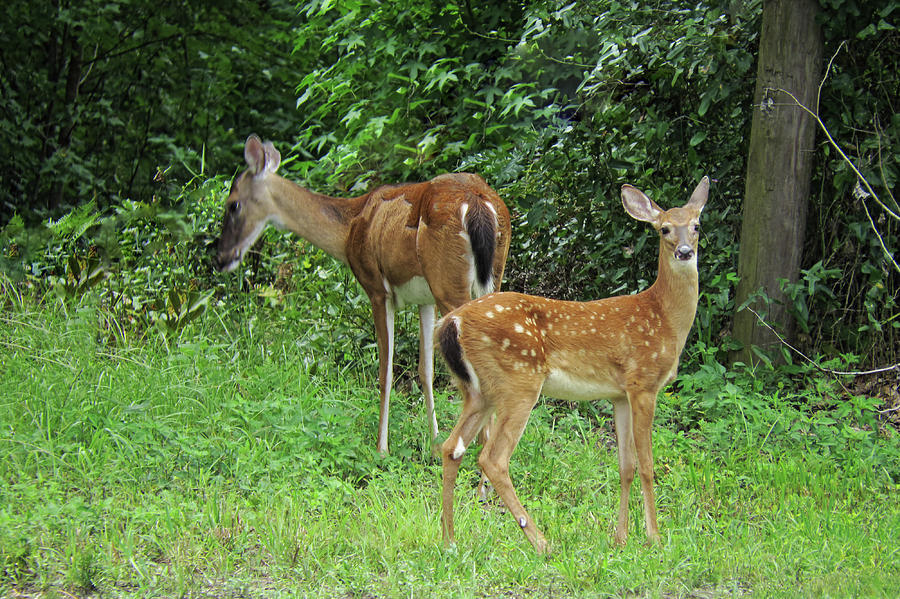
{"type": "Point", "coordinates": [273, 157]}
{"type": "Point", "coordinates": [254, 154]}
{"type": "Point", "coordinates": [698, 197]}
{"type": "Point", "coordinates": [638, 205]}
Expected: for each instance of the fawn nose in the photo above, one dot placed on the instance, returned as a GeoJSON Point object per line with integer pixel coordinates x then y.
{"type": "Point", "coordinates": [684, 252]}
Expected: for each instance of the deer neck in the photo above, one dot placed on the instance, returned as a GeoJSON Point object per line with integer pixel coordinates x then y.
{"type": "Point", "coordinates": [676, 291]}
{"type": "Point", "coordinates": [322, 220]}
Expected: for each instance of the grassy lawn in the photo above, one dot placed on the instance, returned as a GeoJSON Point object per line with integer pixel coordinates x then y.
{"type": "Point", "coordinates": [234, 461]}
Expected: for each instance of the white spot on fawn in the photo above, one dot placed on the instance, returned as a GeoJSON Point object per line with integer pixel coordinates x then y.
{"type": "Point", "coordinates": [518, 328]}
{"type": "Point", "coordinates": [498, 308]}
{"type": "Point", "coordinates": [489, 314]}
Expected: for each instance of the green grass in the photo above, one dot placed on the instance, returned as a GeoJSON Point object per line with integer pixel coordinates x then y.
{"type": "Point", "coordinates": [232, 461]}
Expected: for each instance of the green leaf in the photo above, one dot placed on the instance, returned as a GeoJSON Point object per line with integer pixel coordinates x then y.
{"type": "Point", "coordinates": [705, 101]}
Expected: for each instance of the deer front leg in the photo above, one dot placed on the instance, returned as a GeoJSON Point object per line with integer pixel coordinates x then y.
{"type": "Point", "coordinates": [472, 418]}
{"type": "Point", "coordinates": [508, 425]}
{"type": "Point", "coordinates": [383, 315]}
{"type": "Point", "coordinates": [625, 444]}
{"type": "Point", "coordinates": [643, 406]}
{"type": "Point", "coordinates": [426, 363]}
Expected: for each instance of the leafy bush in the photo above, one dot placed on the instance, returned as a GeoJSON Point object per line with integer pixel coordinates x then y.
{"type": "Point", "coordinates": [556, 104]}
{"type": "Point", "coordinates": [98, 95]}
{"type": "Point", "coordinates": [849, 235]}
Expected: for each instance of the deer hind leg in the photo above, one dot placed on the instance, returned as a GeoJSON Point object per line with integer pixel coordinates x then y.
{"type": "Point", "coordinates": [426, 363]}
{"type": "Point", "coordinates": [383, 315]}
{"type": "Point", "coordinates": [446, 305]}
{"type": "Point", "coordinates": [509, 423]}
{"type": "Point", "coordinates": [625, 443]}
{"type": "Point", "coordinates": [484, 486]}
{"type": "Point", "coordinates": [474, 413]}
{"type": "Point", "coordinates": [643, 405]}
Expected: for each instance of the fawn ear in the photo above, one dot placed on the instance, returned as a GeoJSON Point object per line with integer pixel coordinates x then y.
{"type": "Point", "coordinates": [698, 197]}
{"type": "Point", "coordinates": [638, 205]}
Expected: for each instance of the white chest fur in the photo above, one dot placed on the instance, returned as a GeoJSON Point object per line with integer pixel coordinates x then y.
{"type": "Point", "coordinates": [415, 291]}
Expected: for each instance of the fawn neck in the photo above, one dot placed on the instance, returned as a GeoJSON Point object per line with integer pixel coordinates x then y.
{"type": "Point", "coordinates": [676, 291]}
{"type": "Point", "coordinates": [322, 220]}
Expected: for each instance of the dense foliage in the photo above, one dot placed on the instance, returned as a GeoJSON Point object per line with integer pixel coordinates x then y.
{"type": "Point", "coordinates": [556, 104]}
{"type": "Point", "coordinates": [101, 98]}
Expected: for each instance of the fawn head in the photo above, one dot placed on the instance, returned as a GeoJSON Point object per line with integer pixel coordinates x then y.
{"type": "Point", "coordinates": [249, 207]}
{"type": "Point", "coordinates": [679, 228]}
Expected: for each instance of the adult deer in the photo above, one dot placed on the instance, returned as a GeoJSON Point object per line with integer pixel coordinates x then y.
{"type": "Point", "coordinates": [431, 243]}
{"type": "Point", "coordinates": [505, 349]}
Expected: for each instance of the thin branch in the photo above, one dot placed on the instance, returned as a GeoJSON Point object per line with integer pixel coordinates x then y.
{"type": "Point", "coordinates": [860, 177]}
{"type": "Point", "coordinates": [135, 48]}
{"type": "Point", "coordinates": [813, 362]}
{"type": "Point", "coordinates": [840, 151]}
{"type": "Point", "coordinates": [881, 165]}
{"type": "Point", "coordinates": [825, 77]}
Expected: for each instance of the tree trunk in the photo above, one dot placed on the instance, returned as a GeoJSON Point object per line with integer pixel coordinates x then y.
{"type": "Point", "coordinates": [779, 166]}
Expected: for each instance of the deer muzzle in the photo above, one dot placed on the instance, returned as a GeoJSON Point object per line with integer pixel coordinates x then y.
{"type": "Point", "coordinates": [228, 261]}
{"type": "Point", "coordinates": [684, 252]}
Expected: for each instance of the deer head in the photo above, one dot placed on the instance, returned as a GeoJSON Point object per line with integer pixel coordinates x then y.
{"type": "Point", "coordinates": [250, 206]}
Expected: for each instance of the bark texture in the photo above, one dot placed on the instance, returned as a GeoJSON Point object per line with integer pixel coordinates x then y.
{"type": "Point", "coordinates": [779, 166]}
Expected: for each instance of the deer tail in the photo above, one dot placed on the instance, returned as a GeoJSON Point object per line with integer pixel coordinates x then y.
{"type": "Point", "coordinates": [448, 343]}
{"type": "Point", "coordinates": [481, 226]}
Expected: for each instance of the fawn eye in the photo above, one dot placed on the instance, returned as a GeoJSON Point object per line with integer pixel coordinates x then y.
{"type": "Point", "coordinates": [234, 208]}
{"type": "Point", "coordinates": [664, 230]}
{"type": "Point", "coordinates": [696, 228]}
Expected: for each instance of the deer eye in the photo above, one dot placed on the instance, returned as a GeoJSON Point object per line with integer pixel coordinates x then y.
{"type": "Point", "coordinates": [664, 230]}
{"type": "Point", "coordinates": [696, 228]}
{"type": "Point", "coordinates": [234, 208]}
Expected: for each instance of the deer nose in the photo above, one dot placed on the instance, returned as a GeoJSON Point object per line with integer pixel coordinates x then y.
{"type": "Point", "coordinates": [684, 252]}
{"type": "Point", "coordinates": [226, 260]}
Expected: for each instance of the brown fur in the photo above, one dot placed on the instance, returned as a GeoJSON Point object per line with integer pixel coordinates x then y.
{"type": "Point", "coordinates": [388, 237]}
